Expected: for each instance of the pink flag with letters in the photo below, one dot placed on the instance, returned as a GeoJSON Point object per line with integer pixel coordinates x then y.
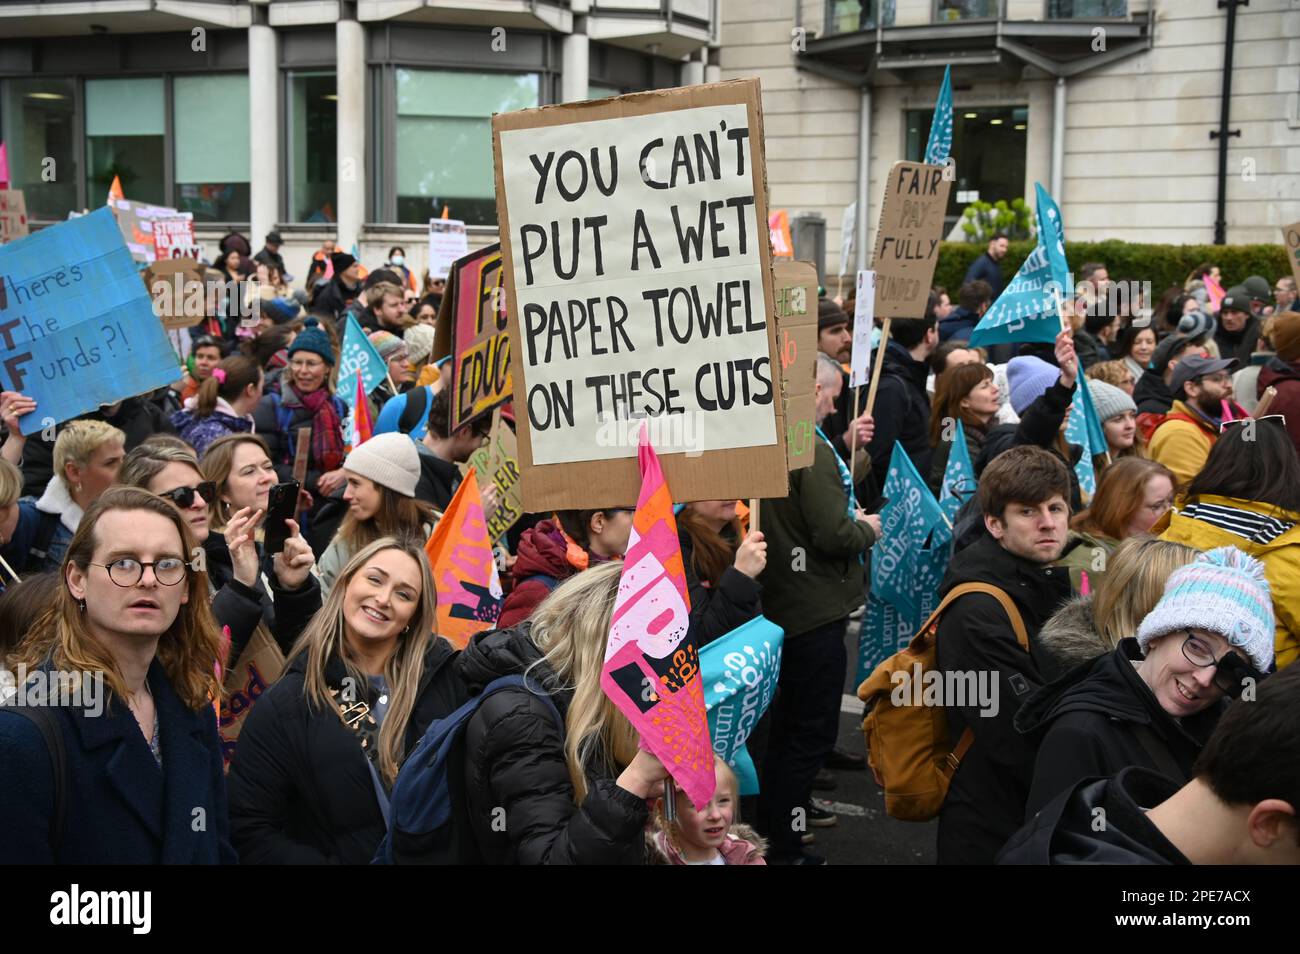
{"type": "Point", "coordinates": [652, 671]}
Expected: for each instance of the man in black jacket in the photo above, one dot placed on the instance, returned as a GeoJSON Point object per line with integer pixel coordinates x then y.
{"type": "Point", "coordinates": [442, 449]}
{"type": "Point", "coordinates": [1238, 331]}
{"type": "Point", "coordinates": [902, 411]}
{"type": "Point", "coordinates": [1024, 495]}
{"type": "Point", "coordinates": [342, 290]}
{"type": "Point", "coordinates": [1241, 807]}
{"type": "Point", "coordinates": [986, 267]}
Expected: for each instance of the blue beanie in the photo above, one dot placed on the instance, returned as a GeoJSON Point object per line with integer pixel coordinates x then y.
{"type": "Point", "coordinates": [1224, 591]}
{"type": "Point", "coordinates": [1029, 378]}
{"type": "Point", "coordinates": [280, 310]}
{"type": "Point", "coordinates": [313, 339]}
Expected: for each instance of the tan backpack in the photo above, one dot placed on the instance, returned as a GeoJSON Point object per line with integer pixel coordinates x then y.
{"type": "Point", "coordinates": [907, 745]}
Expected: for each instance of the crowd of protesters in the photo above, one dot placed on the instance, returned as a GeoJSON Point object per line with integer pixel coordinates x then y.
{"type": "Point", "coordinates": [1159, 613]}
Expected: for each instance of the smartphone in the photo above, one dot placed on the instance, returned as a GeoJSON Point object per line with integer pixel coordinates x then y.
{"type": "Point", "coordinates": [282, 506]}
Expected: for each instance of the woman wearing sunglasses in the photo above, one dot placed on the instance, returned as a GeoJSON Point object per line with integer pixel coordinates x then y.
{"type": "Point", "coordinates": [242, 594]}
{"type": "Point", "coordinates": [1154, 700]}
{"type": "Point", "coordinates": [142, 760]}
{"type": "Point", "coordinates": [1248, 496]}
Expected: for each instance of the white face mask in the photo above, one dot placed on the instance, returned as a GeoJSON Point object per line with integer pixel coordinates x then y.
{"type": "Point", "coordinates": [397, 260]}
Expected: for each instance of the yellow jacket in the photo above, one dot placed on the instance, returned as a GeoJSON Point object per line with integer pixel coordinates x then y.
{"type": "Point", "coordinates": [1280, 556]}
{"type": "Point", "coordinates": [1181, 445]}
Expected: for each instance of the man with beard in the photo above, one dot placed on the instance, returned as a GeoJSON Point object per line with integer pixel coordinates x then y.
{"type": "Point", "coordinates": [1183, 440]}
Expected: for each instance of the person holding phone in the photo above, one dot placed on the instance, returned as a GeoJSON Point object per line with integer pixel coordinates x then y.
{"type": "Point", "coordinates": [245, 593]}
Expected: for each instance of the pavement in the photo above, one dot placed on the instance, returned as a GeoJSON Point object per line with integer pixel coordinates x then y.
{"type": "Point", "coordinates": [865, 835]}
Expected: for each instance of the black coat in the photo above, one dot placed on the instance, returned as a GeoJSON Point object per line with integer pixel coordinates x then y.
{"type": "Point", "coordinates": [986, 270]}
{"type": "Point", "coordinates": [333, 299]}
{"type": "Point", "coordinates": [286, 613]}
{"type": "Point", "coordinates": [283, 442]}
{"type": "Point", "coordinates": [439, 479]}
{"type": "Point", "coordinates": [301, 791]}
{"type": "Point", "coordinates": [716, 611]}
{"type": "Point", "coordinates": [514, 759]}
{"type": "Point", "coordinates": [1066, 832]}
{"type": "Point", "coordinates": [986, 799]}
{"type": "Point", "coordinates": [902, 412]}
{"type": "Point", "coordinates": [1238, 344]}
{"type": "Point", "coordinates": [1039, 426]}
{"type": "Point", "coordinates": [137, 418]}
{"type": "Point", "coordinates": [1151, 394]}
{"type": "Point", "coordinates": [1091, 723]}
{"type": "Point", "coordinates": [119, 808]}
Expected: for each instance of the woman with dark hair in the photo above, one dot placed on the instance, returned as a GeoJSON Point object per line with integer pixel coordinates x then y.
{"type": "Point", "coordinates": [1248, 496]}
{"type": "Point", "coordinates": [396, 262]}
{"type": "Point", "coordinates": [1135, 346]}
{"type": "Point", "coordinates": [966, 393]}
{"type": "Point", "coordinates": [1132, 495]}
{"type": "Point", "coordinates": [722, 569]}
{"type": "Point", "coordinates": [224, 404]}
{"type": "Point", "coordinates": [142, 760]}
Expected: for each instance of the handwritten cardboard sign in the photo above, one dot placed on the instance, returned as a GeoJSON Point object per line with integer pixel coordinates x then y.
{"type": "Point", "coordinates": [13, 215]}
{"type": "Point", "coordinates": [498, 463]}
{"type": "Point", "coordinates": [635, 240]}
{"type": "Point", "coordinates": [907, 241]}
{"type": "Point", "coordinates": [77, 328]}
{"type": "Point", "coordinates": [796, 323]}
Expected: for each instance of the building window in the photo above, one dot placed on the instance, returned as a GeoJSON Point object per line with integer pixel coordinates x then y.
{"type": "Point", "coordinates": [211, 141]}
{"type": "Point", "coordinates": [988, 148]}
{"type": "Point", "coordinates": [444, 140]}
{"type": "Point", "coordinates": [1086, 9]}
{"type": "Point", "coordinates": [598, 91]}
{"type": "Point", "coordinates": [39, 117]}
{"type": "Point", "coordinates": [849, 16]}
{"type": "Point", "coordinates": [125, 127]}
{"type": "Point", "coordinates": [946, 11]}
{"type": "Point", "coordinates": [313, 147]}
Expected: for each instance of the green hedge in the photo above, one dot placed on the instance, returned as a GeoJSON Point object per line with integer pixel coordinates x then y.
{"type": "Point", "coordinates": [1161, 265]}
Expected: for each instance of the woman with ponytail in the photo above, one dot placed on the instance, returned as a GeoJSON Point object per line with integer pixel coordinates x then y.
{"type": "Point", "coordinates": [318, 754]}
{"type": "Point", "coordinates": [224, 404]}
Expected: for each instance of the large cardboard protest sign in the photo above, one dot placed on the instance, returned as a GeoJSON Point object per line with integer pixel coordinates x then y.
{"type": "Point", "coordinates": [77, 328]}
{"type": "Point", "coordinates": [135, 219]}
{"type": "Point", "coordinates": [480, 337]}
{"type": "Point", "coordinates": [448, 241]}
{"type": "Point", "coordinates": [796, 323]}
{"type": "Point", "coordinates": [13, 215]}
{"type": "Point", "coordinates": [634, 234]}
{"type": "Point", "coordinates": [907, 241]}
{"type": "Point", "coordinates": [1291, 236]}
{"type": "Point", "coordinates": [256, 670]}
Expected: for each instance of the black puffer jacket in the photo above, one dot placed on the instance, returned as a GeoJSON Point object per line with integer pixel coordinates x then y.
{"type": "Point", "coordinates": [985, 802]}
{"type": "Point", "coordinates": [514, 759]}
{"type": "Point", "coordinates": [1151, 394]}
{"type": "Point", "coordinates": [716, 611]}
{"type": "Point", "coordinates": [1093, 720]}
{"type": "Point", "coordinates": [902, 411]}
{"type": "Point", "coordinates": [286, 613]}
{"type": "Point", "coordinates": [301, 790]}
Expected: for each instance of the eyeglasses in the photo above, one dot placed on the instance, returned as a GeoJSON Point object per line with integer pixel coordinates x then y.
{"type": "Point", "coordinates": [1230, 669]}
{"type": "Point", "coordinates": [183, 497]}
{"type": "Point", "coordinates": [299, 365]}
{"type": "Point", "coordinates": [1221, 378]}
{"type": "Point", "coordinates": [128, 572]}
{"type": "Point", "coordinates": [1276, 418]}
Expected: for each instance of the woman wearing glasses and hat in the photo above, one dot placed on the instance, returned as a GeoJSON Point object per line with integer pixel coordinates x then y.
{"type": "Point", "coordinates": [1248, 496]}
{"type": "Point", "coordinates": [129, 770]}
{"type": "Point", "coordinates": [239, 589]}
{"type": "Point", "coordinates": [1154, 700]}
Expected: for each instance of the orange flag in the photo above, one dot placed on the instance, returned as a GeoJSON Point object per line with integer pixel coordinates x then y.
{"type": "Point", "coordinates": [464, 570]}
{"type": "Point", "coordinates": [363, 428]}
{"type": "Point", "coordinates": [115, 191]}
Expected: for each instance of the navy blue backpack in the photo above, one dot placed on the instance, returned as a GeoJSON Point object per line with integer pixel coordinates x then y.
{"type": "Point", "coordinates": [428, 820]}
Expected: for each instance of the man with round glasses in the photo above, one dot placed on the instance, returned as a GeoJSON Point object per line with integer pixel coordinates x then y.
{"type": "Point", "coordinates": [120, 781]}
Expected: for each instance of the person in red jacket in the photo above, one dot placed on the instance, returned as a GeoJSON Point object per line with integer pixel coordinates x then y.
{"type": "Point", "coordinates": [556, 549]}
{"type": "Point", "coordinates": [1283, 372]}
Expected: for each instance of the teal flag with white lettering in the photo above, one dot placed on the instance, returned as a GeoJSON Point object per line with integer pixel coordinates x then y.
{"type": "Point", "coordinates": [958, 476]}
{"type": "Point", "coordinates": [940, 143]}
{"type": "Point", "coordinates": [1028, 308]}
{"type": "Point", "coordinates": [739, 673]}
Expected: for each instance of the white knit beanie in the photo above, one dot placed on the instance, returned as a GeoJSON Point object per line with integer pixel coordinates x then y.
{"type": "Point", "coordinates": [419, 340]}
{"type": "Point", "coordinates": [390, 460]}
{"type": "Point", "coordinates": [1223, 591]}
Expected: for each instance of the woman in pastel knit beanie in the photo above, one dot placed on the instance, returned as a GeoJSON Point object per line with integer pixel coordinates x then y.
{"type": "Point", "coordinates": [1154, 700]}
